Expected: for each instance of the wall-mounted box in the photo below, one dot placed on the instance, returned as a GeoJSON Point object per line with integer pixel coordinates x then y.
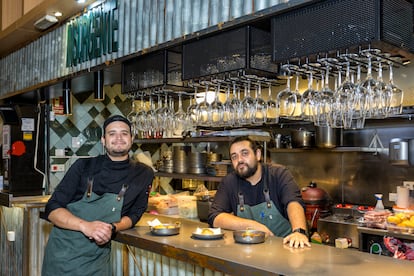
{"type": "Point", "coordinates": [244, 49]}
{"type": "Point", "coordinates": [330, 25]}
{"type": "Point", "coordinates": [160, 69]}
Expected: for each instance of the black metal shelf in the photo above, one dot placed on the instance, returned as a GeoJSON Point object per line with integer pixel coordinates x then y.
{"type": "Point", "coordinates": [198, 139]}
{"type": "Point", "coordinates": [337, 149]}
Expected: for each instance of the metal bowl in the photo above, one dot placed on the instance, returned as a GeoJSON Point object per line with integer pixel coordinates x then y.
{"type": "Point", "coordinates": [249, 236]}
{"type": "Point", "coordinates": [166, 229]}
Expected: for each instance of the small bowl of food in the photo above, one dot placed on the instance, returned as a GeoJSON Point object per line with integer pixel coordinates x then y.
{"type": "Point", "coordinates": [208, 233]}
{"type": "Point", "coordinates": [166, 229]}
{"type": "Point", "coordinates": [249, 236]}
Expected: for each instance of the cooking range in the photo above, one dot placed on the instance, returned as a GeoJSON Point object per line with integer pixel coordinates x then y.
{"type": "Point", "coordinates": [343, 223]}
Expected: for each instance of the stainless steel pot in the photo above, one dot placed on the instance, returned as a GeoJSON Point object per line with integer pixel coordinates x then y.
{"type": "Point", "coordinates": [302, 138]}
{"type": "Point", "coordinates": [166, 229]}
{"type": "Point", "coordinates": [249, 236]}
{"type": "Point", "coordinates": [327, 137]}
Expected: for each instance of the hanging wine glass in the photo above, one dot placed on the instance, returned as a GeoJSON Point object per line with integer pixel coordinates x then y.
{"type": "Point", "coordinates": [237, 106]}
{"type": "Point", "coordinates": [260, 106]}
{"type": "Point", "coordinates": [216, 109]}
{"type": "Point", "coordinates": [380, 94]}
{"type": "Point", "coordinates": [272, 110]}
{"type": "Point", "coordinates": [192, 119]}
{"type": "Point", "coordinates": [150, 123]}
{"type": "Point", "coordinates": [370, 85]}
{"type": "Point", "coordinates": [179, 119]}
{"type": "Point", "coordinates": [141, 117]}
{"type": "Point", "coordinates": [360, 102]}
{"type": "Point", "coordinates": [132, 115]}
{"type": "Point", "coordinates": [160, 125]}
{"type": "Point", "coordinates": [395, 95]}
{"type": "Point", "coordinates": [286, 99]}
{"type": "Point", "coordinates": [344, 98]}
{"type": "Point", "coordinates": [203, 107]}
{"type": "Point", "coordinates": [309, 97]}
{"type": "Point", "coordinates": [325, 97]}
{"type": "Point", "coordinates": [229, 112]}
{"type": "Point", "coordinates": [382, 97]}
{"type": "Point", "coordinates": [297, 114]}
{"type": "Point", "coordinates": [247, 105]}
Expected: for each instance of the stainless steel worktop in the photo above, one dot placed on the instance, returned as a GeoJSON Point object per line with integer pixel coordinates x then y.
{"type": "Point", "coordinates": [268, 258]}
{"type": "Point", "coordinates": [8, 200]}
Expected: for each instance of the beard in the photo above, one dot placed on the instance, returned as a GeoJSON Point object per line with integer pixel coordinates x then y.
{"type": "Point", "coordinates": [246, 172]}
{"type": "Point", "coordinates": [116, 152]}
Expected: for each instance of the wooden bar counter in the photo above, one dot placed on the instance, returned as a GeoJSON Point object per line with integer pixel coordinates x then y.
{"type": "Point", "coordinates": [268, 258]}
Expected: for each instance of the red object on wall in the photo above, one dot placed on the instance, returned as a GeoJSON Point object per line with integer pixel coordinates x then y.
{"type": "Point", "coordinates": [18, 148]}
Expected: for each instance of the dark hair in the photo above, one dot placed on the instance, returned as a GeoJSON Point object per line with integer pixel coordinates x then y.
{"type": "Point", "coordinates": [253, 144]}
{"type": "Point", "coordinates": [116, 118]}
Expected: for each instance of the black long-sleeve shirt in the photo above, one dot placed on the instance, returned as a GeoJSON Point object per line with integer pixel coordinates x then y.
{"type": "Point", "coordinates": [108, 177]}
{"type": "Point", "coordinates": [282, 189]}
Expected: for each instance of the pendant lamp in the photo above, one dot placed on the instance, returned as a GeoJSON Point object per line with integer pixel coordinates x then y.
{"type": "Point", "coordinates": [98, 85]}
{"type": "Point", "coordinates": [67, 97]}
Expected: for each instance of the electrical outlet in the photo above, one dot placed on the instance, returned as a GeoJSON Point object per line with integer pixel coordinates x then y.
{"type": "Point", "coordinates": [409, 184]}
{"type": "Point", "coordinates": [392, 197]}
{"type": "Point", "coordinates": [57, 168]}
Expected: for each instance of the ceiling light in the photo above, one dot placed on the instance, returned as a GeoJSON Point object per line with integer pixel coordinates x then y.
{"type": "Point", "coordinates": [45, 22]}
{"type": "Point", "coordinates": [58, 14]}
{"type": "Point", "coordinates": [80, 1]}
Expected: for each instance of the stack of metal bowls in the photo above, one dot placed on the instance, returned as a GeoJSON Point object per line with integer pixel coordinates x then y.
{"type": "Point", "coordinates": [180, 158]}
{"type": "Point", "coordinates": [197, 162]}
{"type": "Point", "coordinates": [167, 162]}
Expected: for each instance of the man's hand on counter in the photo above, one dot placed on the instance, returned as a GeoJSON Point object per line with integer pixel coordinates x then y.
{"type": "Point", "coordinates": [296, 240]}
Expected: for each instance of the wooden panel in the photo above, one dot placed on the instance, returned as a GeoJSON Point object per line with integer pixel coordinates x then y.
{"type": "Point", "coordinates": [30, 4]}
{"type": "Point", "coordinates": [11, 10]}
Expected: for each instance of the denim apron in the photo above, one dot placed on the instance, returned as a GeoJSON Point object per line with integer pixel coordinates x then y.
{"type": "Point", "coordinates": [71, 252]}
{"type": "Point", "coordinates": [266, 212]}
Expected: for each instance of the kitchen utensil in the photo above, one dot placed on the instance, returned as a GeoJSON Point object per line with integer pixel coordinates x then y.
{"type": "Point", "coordinates": [398, 151]}
{"type": "Point", "coordinates": [166, 229]}
{"type": "Point", "coordinates": [302, 138]}
{"type": "Point", "coordinates": [327, 137]}
{"type": "Point", "coordinates": [249, 236]}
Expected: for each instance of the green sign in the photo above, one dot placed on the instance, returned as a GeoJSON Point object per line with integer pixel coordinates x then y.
{"type": "Point", "coordinates": [93, 34]}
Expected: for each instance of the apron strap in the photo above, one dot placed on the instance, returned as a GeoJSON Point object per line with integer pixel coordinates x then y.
{"type": "Point", "coordinates": [122, 192]}
{"type": "Point", "coordinates": [266, 186]}
{"type": "Point", "coordinates": [241, 201]}
{"type": "Point", "coordinates": [90, 186]}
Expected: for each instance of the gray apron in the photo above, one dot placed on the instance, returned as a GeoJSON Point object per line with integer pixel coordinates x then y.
{"type": "Point", "coordinates": [266, 212]}
{"type": "Point", "coordinates": [71, 252]}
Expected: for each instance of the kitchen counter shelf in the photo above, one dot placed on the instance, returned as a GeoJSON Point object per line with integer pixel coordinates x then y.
{"type": "Point", "coordinates": [189, 176]}
{"type": "Point", "coordinates": [268, 258]}
{"type": "Point", "coordinates": [198, 139]}
{"type": "Point", "coordinates": [385, 232]}
{"type": "Point", "coordinates": [337, 149]}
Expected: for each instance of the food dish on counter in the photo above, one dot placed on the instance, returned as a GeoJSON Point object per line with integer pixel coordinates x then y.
{"type": "Point", "coordinates": [208, 233]}
{"type": "Point", "coordinates": [166, 229]}
{"type": "Point", "coordinates": [249, 236]}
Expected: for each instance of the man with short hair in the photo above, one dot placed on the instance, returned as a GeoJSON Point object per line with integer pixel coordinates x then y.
{"type": "Point", "coordinates": [259, 196]}
{"type": "Point", "coordinates": [96, 198]}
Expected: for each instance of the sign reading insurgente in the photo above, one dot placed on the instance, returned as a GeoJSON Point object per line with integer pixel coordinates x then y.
{"type": "Point", "coordinates": [93, 34]}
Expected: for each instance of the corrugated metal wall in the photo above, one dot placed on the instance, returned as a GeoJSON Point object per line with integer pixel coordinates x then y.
{"type": "Point", "coordinates": [142, 24]}
{"type": "Point", "coordinates": [141, 262]}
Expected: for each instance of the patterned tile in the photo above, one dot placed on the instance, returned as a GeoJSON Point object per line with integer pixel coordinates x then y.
{"type": "Point", "coordinates": [86, 124]}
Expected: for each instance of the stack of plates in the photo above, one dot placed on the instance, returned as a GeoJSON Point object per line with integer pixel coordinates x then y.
{"type": "Point", "coordinates": [180, 158]}
{"type": "Point", "coordinates": [197, 162]}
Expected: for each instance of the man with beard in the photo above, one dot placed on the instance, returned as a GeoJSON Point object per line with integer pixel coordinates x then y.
{"type": "Point", "coordinates": [96, 198]}
{"type": "Point", "coordinates": [259, 196]}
